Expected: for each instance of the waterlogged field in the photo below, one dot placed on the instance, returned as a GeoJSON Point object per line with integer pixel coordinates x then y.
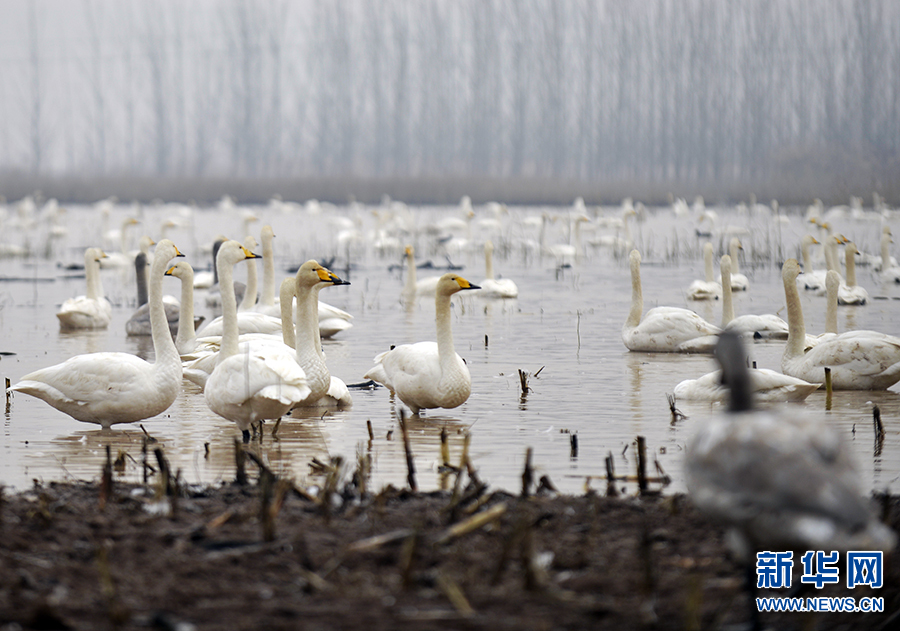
{"type": "Point", "coordinates": [564, 330]}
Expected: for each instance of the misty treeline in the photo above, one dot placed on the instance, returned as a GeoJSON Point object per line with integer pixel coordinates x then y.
{"type": "Point", "coordinates": [697, 92]}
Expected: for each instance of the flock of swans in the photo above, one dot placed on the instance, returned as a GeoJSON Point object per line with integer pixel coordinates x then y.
{"type": "Point", "coordinates": [263, 359]}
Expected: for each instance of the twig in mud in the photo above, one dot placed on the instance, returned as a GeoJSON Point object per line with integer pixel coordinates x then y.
{"type": "Point", "coordinates": [106, 481]}
{"type": "Point", "coordinates": [445, 448]}
{"type": "Point", "coordinates": [150, 438]}
{"type": "Point", "coordinates": [642, 464]}
{"type": "Point", "coordinates": [407, 558]}
{"type": "Point", "coordinates": [573, 446]}
{"type": "Point", "coordinates": [266, 491]}
{"type": "Point", "coordinates": [454, 594]}
{"type": "Point", "coordinates": [545, 486]}
{"type": "Point", "coordinates": [611, 476]}
{"type": "Point", "coordinates": [527, 474]}
{"type": "Point", "coordinates": [676, 413]}
{"type": "Point", "coordinates": [240, 477]}
{"type": "Point", "coordinates": [879, 430]}
{"type": "Point", "coordinates": [523, 383]}
{"type": "Point", "coordinates": [410, 462]}
{"type": "Point", "coordinates": [369, 427]}
{"type": "Point", "coordinates": [535, 577]}
{"type": "Point", "coordinates": [118, 613]}
{"type": "Point", "coordinates": [472, 523]}
{"type": "Point", "coordinates": [538, 373]}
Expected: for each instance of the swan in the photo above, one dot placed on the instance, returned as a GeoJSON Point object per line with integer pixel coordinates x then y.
{"type": "Point", "coordinates": [859, 360]}
{"type": "Point", "coordinates": [490, 287]}
{"type": "Point", "coordinates": [108, 388]}
{"type": "Point", "coordinates": [850, 293]}
{"type": "Point", "coordinates": [120, 258]}
{"type": "Point", "coordinates": [707, 289]}
{"type": "Point", "coordinates": [185, 336]}
{"type": "Point", "coordinates": [213, 295]}
{"type": "Point", "coordinates": [428, 374]}
{"type": "Point", "coordinates": [92, 310]}
{"type": "Point", "coordinates": [248, 302]}
{"type": "Point", "coordinates": [766, 325]}
{"type": "Point", "coordinates": [780, 480]}
{"type": "Point", "coordinates": [416, 287]}
{"type": "Point", "coordinates": [739, 282]}
{"type": "Point", "coordinates": [250, 382]}
{"type": "Point", "coordinates": [768, 386]}
{"type": "Point", "coordinates": [885, 262]}
{"type": "Point", "coordinates": [663, 329]}
{"type": "Point", "coordinates": [327, 390]}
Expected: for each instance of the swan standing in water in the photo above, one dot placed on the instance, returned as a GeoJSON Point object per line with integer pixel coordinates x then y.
{"type": "Point", "coordinates": [779, 481]}
{"type": "Point", "coordinates": [663, 329]}
{"type": "Point", "coordinates": [859, 360]}
{"type": "Point", "coordinates": [108, 388]}
{"type": "Point", "coordinates": [250, 383]}
{"type": "Point", "coordinates": [707, 289]}
{"type": "Point", "coordinates": [92, 310]}
{"type": "Point", "coordinates": [428, 374]}
{"type": "Point", "coordinates": [491, 287]}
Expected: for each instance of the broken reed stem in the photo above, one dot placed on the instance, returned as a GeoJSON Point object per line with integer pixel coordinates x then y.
{"type": "Point", "coordinates": [240, 454]}
{"type": "Point", "coordinates": [454, 594]}
{"type": "Point", "coordinates": [165, 475]}
{"type": "Point", "coordinates": [523, 382]}
{"type": "Point", "coordinates": [369, 427]}
{"type": "Point", "coordinates": [407, 559]}
{"type": "Point", "coordinates": [445, 448]}
{"type": "Point", "coordinates": [879, 430]}
{"type": "Point", "coordinates": [410, 464]}
{"type": "Point", "coordinates": [642, 464]}
{"type": "Point", "coordinates": [611, 490]}
{"type": "Point", "coordinates": [266, 490]}
{"type": "Point", "coordinates": [106, 481]}
{"type": "Point", "coordinates": [573, 446]}
{"type": "Point", "coordinates": [527, 473]}
{"type": "Point", "coordinates": [827, 388]}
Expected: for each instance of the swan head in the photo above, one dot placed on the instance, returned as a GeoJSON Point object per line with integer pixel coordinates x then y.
{"type": "Point", "coordinates": [451, 283]}
{"type": "Point", "coordinates": [808, 240]}
{"type": "Point", "coordinates": [94, 254]}
{"type": "Point", "coordinates": [232, 252]}
{"type": "Point", "coordinates": [182, 270]}
{"type": "Point", "coordinates": [790, 270]}
{"type": "Point", "coordinates": [166, 250]}
{"type": "Point", "coordinates": [736, 243]}
{"type": "Point", "coordinates": [266, 232]}
{"type": "Point", "coordinates": [311, 274]}
{"type": "Point", "coordinates": [408, 251]}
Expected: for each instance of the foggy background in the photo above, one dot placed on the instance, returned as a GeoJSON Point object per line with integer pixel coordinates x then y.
{"type": "Point", "coordinates": [516, 100]}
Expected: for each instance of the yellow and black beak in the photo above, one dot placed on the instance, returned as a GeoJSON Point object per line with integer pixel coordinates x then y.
{"type": "Point", "coordinates": [169, 272]}
{"type": "Point", "coordinates": [250, 255]}
{"type": "Point", "coordinates": [464, 284]}
{"type": "Point", "coordinates": [327, 276]}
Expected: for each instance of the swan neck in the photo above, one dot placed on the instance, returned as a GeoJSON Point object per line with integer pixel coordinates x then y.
{"type": "Point", "coordinates": [140, 271]}
{"type": "Point", "coordinates": [851, 267]}
{"type": "Point", "coordinates": [186, 332]}
{"type": "Point", "coordinates": [488, 264]}
{"type": "Point", "coordinates": [709, 271]}
{"type": "Point", "coordinates": [249, 300]}
{"type": "Point", "coordinates": [727, 298]}
{"type": "Point", "coordinates": [831, 306]}
{"type": "Point", "coordinates": [268, 284]}
{"type": "Point", "coordinates": [229, 344]}
{"type": "Point", "coordinates": [885, 251]}
{"type": "Point", "coordinates": [637, 298]}
{"type": "Point", "coordinates": [444, 330]}
{"type": "Point", "coordinates": [796, 327]}
{"type": "Point", "coordinates": [807, 258]}
{"type": "Point", "coordinates": [286, 305]}
{"type": "Point", "coordinates": [410, 287]}
{"type": "Point", "coordinates": [307, 326]}
{"type": "Point", "coordinates": [92, 274]}
{"type": "Point", "coordinates": [163, 344]}
{"type": "Point", "coordinates": [735, 265]}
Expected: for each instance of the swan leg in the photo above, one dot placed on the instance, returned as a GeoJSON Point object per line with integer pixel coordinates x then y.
{"type": "Point", "coordinates": [245, 434]}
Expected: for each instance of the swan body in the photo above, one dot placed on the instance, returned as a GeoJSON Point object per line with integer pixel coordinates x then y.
{"type": "Point", "coordinates": [92, 310]}
{"type": "Point", "coordinates": [250, 382]}
{"type": "Point", "coordinates": [739, 282]}
{"type": "Point", "coordinates": [428, 374]}
{"type": "Point", "coordinates": [491, 287]}
{"type": "Point", "coordinates": [663, 329]}
{"type": "Point", "coordinates": [768, 386]}
{"type": "Point", "coordinates": [859, 360]}
{"type": "Point", "coordinates": [779, 480]}
{"type": "Point", "coordinates": [707, 289]}
{"type": "Point", "coordinates": [107, 388]}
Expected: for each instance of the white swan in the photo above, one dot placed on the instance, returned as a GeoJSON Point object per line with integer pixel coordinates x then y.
{"type": "Point", "coordinates": [108, 388]}
{"type": "Point", "coordinates": [885, 262]}
{"type": "Point", "coordinates": [767, 385]}
{"type": "Point", "coordinates": [707, 289]}
{"type": "Point", "coordinates": [250, 382]}
{"type": "Point", "coordinates": [414, 286]}
{"type": "Point", "coordinates": [491, 287]}
{"type": "Point", "coordinates": [120, 258]}
{"type": "Point", "coordinates": [663, 329]}
{"type": "Point", "coordinates": [327, 390]}
{"type": "Point", "coordinates": [248, 302]}
{"type": "Point", "coordinates": [767, 325]}
{"type": "Point", "coordinates": [859, 360]}
{"type": "Point", "coordinates": [428, 374]}
{"type": "Point", "coordinates": [813, 280]}
{"type": "Point", "coordinates": [779, 480]}
{"type": "Point", "coordinates": [92, 310]}
{"type": "Point", "coordinates": [850, 293]}
{"type": "Point", "coordinates": [739, 282]}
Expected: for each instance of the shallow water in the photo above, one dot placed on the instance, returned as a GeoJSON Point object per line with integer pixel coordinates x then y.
{"type": "Point", "coordinates": [566, 323]}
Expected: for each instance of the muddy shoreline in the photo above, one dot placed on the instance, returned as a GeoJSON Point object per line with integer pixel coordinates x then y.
{"type": "Point", "coordinates": [266, 554]}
